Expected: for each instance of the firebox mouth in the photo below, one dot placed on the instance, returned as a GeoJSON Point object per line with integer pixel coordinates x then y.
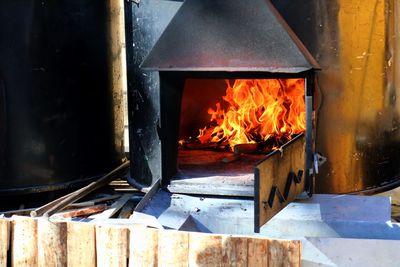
{"type": "Point", "coordinates": [229, 35]}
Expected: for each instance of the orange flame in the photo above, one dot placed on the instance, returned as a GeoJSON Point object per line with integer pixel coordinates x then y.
{"type": "Point", "coordinates": [257, 111]}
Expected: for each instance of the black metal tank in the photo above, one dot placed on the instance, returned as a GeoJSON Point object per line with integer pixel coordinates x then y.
{"type": "Point", "coordinates": [57, 115]}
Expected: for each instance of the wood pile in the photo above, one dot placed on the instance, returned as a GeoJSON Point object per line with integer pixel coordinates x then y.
{"type": "Point", "coordinates": [26, 241]}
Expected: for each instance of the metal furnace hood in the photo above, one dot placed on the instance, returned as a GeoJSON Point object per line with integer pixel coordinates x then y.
{"type": "Point", "coordinates": [229, 35]}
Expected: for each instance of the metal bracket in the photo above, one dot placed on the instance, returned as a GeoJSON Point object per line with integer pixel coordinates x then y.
{"type": "Point", "coordinates": [137, 2]}
{"type": "Point", "coordinates": [318, 161]}
{"type": "Point", "coordinates": [292, 178]}
{"type": "Point", "coordinates": [275, 192]}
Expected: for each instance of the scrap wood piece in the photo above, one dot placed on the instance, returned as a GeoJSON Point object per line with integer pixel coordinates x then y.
{"type": "Point", "coordinates": [81, 244]}
{"type": "Point", "coordinates": [24, 250]}
{"type": "Point", "coordinates": [112, 245]}
{"type": "Point", "coordinates": [4, 241]}
{"type": "Point", "coordinates": [52, 245]}
{"type": "Point", "coordinates": [62, 202]}
{"type": "Point", "coordinates": [81, 212]}
{"type": "Point", "coordinates": [30, 211]}
{"type": "Point", "coordinates": [143, 246]}
{"type": "Point", "coordinates": [114, 208]}
{"type": "Point", "coordinates": [173, 248]}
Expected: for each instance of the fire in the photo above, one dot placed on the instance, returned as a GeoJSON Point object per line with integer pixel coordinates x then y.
{"type": "Point", "coordinates": [257, 110]}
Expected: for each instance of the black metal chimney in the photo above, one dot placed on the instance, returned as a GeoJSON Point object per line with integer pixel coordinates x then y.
{"type": "Point", "coordinates": [229, 35]}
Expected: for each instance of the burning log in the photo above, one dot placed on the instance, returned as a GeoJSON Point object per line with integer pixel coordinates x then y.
{"type": "Point", "coordinates": [196, 145]}
{"type": "Point", "coordinates": [257, 110]}
{"type": "Point", "coordinates": [245, 148]}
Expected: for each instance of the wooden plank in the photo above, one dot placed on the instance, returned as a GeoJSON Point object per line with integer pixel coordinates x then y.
{"type": "Point", "coordinates": [4, 241]}
{"type": "Point", "coordinates": [114, 208]}
{"type": "Point", "coordinates": [274, 172]}
{"type": "Point", "coordinates": [52, 248]}
{"type": "Point", "coordinates": [81, 244]}
{"type": "Point", "coordinates": [112, 245]}
{"type": "Point", "coordinates": [143, 246]}
{"type": "Point", "coordinates": [205, 249]}
{"type": "Point", "coordinates": [284, 253]}
{"type": "Point", "coordinates": [24, 241]}
{"type": "Point", "coordinates": [234, 251]}
{"type": "Point", "coordinates": [257, 252]}
{"type": "Point", "coordinates": [173, 248]}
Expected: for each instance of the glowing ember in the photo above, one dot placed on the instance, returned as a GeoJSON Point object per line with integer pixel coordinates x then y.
{"type": "Point", "coordinates": [257, 110]}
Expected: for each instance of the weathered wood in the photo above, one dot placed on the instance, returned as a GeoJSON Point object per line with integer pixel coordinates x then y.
{"type": "Point", "coordinates": [274, 172]}
{"type": "Point", "coordinates": [52, 245]}
{"type": "Point", "coordinates": [116, 58]}
{"type": "Point", "coordinates": [24, 250]}
{"type": "Point", "coordinates": [81, 244]}
{"type": "Point", "coordinates": [39, 242]}
{"type": "Point", "coordinates": [257, 252]}
{"type": "Point", "coordinates": [112, 245]}
{"type": "Point", "coordinates": [114, 208]}
{"type": "Point", "coordinates": [62, 202]}
{"type": "Point", "coordinates": [4, 241]}
{"type": "Point", "coordinates": [173, 248]}
{"type": "Point", "coordinates": [81, 212]}
{"type": "Point", "coordinates": [234, 251]}
{"type": "Point", "coordinates": [284, 253]}
{"type": "Point", "coordinates": [205, 249]}
{"type": "Point", "coordinates": [143, 246]}
{"type": "Point", "coordinates": [34, 211]}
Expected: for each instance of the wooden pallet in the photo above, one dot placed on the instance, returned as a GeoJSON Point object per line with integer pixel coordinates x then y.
{"type": "Point", "coordinates": [39, 242]}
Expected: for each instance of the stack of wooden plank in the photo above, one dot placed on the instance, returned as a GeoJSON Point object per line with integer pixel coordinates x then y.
{"type": "Point", "coordinates": [40, 242]}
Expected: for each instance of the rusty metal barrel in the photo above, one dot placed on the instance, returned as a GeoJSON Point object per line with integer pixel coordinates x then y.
{"type": "Point", "coordinates": [357, 44]}
{"type": "Point", "coordinates": [61, 80]}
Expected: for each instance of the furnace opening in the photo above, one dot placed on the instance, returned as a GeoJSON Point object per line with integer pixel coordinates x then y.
{"type": "Point", "coordinates": [228, 125]}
